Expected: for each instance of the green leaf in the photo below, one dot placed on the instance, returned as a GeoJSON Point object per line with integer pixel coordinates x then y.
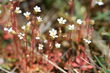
{"type": "Point", "coordinates": [103, 67]}
{"type": "Point", "coordinates": [103, 16]}
{"type": "Point", "coordinates": [79, 10]}
{"type": "Point", "coordinates": [5, 66]}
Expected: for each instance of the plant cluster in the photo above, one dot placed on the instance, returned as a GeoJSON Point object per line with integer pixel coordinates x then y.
{"type": "Point", "coordinates": [61, 49]}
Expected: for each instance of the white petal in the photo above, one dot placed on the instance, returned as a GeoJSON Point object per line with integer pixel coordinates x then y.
{"type": "Point", "coordinates": [5, 29]}
{"type": "Point", "coordinates": [37, 9]}
{"type": "Point", "coordinates": [57, 45]}
{"type": "Point", "coordinates": [37, 38]}
{"type": "Point", "coordinates": [79, 21]}
{"type": "Point", "coordinates": [0, 11]}
{"type": "Point", "coordinates": [23, 27]}
{"type": "Point", "coordinates": [39, 19]}
{"type": "Point", "coordinates": [61, 20]}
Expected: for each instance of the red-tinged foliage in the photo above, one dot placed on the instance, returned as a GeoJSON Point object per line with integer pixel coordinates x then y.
{"type": "Point", "coordinates": [81, 62]}
{"type": "Point", "coordinates": [54, 56]}
{"type": "Point", "coordinates": [7, 36]}
{"type": "Point", "coordinates": [9, 49]}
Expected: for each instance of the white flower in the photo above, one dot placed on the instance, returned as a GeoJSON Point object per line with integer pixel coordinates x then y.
{"type": "Point", "coordinates": [57, 45]}
{"type": "Point", "coordinates": [87, 41]}
{"type": "Point", "coordinates": [0, 11]}
{"type": "Point", "coordinates": [21, 35]}
{"type": "Point", "coordinates": [99, 3]}
{"type": "Point", "coordinates": [79, 21]}
{"type": "Point", "coordinates": [40, 47]}
{"type": "Point", "coordinates": [28, 23]}
{"type": "Point", "coordinates": [23, 27]}
{"type": "Point", "coordinates": [53, 33]}
{"type": "Point", "coordinates": [61, 20]}
{"type": "Point", "coordinates": [39, 19]}
{"type": "Point", "coordinates": [71, 27]}
{"type": "Point", "coordinates": [8, 29]}
{"type": "Point", "coordinates": [45, 41]}
{"type": "Point", "coordinates": [27, 14]}
{"type": "Point", "coordinates": [5, 29]}
{"type": "Point", "coordinates": [17, 10]}
{"type": "Point", "coordinates": [37, 38]}
{"type": "Point", "coordinates": [37, 9]}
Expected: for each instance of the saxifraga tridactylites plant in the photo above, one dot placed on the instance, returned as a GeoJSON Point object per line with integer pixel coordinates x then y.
{"type": "Point", "coordinates": [42, 53]}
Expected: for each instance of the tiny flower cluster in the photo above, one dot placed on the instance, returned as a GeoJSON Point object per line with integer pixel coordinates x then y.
{"type": "Point", "coordinates": [21, 35]}
{"type": "Point", "coordinates": [27, 14]}
{"type": "Point", "coordinates": [40, 47]}
{"type": "Point", "coordinates": [26, 27]}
